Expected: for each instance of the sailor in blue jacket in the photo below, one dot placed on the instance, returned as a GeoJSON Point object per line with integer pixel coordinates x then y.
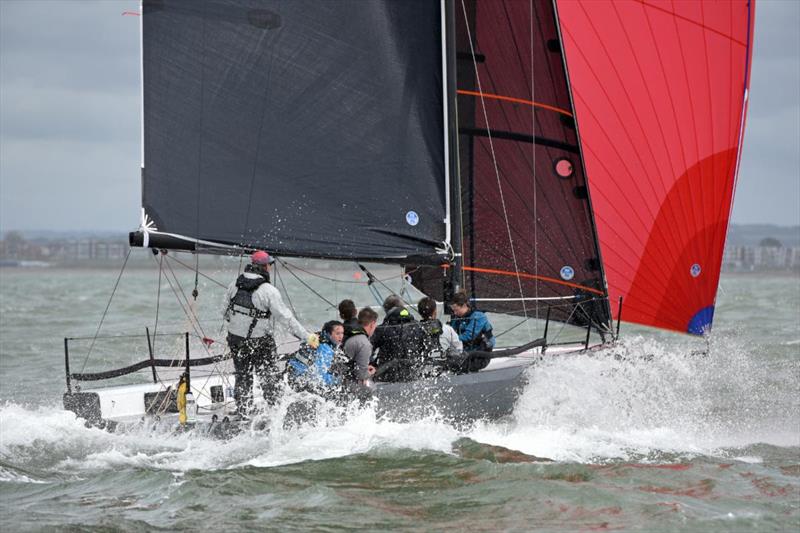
{"type": "Point", "coordinates": [472, 326]}
{"type": "Point", "coordinates": [315, 368]}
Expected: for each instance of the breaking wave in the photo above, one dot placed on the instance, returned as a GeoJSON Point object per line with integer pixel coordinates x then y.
{"type": "Point", "coordinates": [644, 400]}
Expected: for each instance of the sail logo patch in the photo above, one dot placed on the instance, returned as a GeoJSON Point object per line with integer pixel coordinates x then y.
{"type": "Point", "coordinates": [563, 168]}
{"type": "Point", "coordinates": [412, 218]}
{"type": "Point", "coordinates": [695, 270]}
{"type": "Point", "coordinates": [567, 272]}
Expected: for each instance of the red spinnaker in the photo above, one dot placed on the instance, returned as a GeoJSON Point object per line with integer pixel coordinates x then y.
{"type": "Point", "coordinates": [660, 92]}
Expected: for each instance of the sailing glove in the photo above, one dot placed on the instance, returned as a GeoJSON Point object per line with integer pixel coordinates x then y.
{"type": "Point", "coordinates": [313, 340]}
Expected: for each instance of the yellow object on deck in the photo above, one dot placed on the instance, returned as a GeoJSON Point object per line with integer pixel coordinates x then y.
{"type": "Point", "coordinates": [181, 401]}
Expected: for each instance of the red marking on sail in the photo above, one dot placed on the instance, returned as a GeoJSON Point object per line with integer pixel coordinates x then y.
{"type": "Point", "coordinates": [660, 99]}
{"type": "Point", "coordinates": [525, 275]}
{"type": "Point", "coordinates": [514, 100]}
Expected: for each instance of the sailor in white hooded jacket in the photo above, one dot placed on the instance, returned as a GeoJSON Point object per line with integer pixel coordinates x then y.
{"type": "Point", "coordinates": [250, 304]}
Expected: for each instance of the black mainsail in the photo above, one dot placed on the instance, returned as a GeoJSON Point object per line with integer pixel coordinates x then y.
{"type": "Point", "coordinates": [308, 128]}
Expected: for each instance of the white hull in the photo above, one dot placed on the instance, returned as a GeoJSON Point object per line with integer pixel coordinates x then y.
{"type": "Point", "coordinates": [490, 393]}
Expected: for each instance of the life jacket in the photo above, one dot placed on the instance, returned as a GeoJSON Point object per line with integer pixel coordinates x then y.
{"type": "Point", "coordinates": [350, 327]}
{"type": "Point", "coordinates": [242, 301]}
{"type": "Point", "coordinates": [304, 360]}
{"type": "Point", "coordinates": [478, 326]}
{"type": "Point", "coordinates": [433, 331]}
{"type": "Point", "coordinates": [400, 336]}
{"type": "Point", "coordinates": [346, 368]}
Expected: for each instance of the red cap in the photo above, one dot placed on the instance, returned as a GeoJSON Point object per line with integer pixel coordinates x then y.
{"type": "Point", "coordinates": [261, 258]}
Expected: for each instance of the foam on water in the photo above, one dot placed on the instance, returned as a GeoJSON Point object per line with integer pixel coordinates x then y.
{"type": "Point", "coordinates": [642, 401]}
{"type": "Point", "coordinates": [8, 475]}
{"type": "Point", "coordinates": [645, 399]}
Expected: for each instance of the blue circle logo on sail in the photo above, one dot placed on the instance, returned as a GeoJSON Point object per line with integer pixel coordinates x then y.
{"type": "Point", "coordinates": [412, 218]}
{"type": "Point", "coordinates": [695, 270]}
{"type": "Point", "coordinates": [567, 272]}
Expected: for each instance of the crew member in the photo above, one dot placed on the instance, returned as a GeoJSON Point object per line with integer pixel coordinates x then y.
{"type": "Point", "coordinates": [358, 348]}
{"type": "Point", "coordinates": [472, 326]}
{"type": "Point", "coordinates": [348, 313]}
{"type": "Point", "coordinates": [399, 341]}
{"type": "Point", "coordinates": [439, 337]}
{"type": "Point", "coordinates": [249, 304]}
{"type": "Point", "coordinates": [313, 369]}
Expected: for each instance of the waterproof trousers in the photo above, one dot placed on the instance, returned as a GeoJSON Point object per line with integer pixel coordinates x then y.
{"type": "Point", "coordinates": [257, 355]}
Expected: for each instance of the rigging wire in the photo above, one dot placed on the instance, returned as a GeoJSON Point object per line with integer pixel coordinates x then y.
{"type": "Point", "coordinates": [335, 280]}
{"type": "Point", "coordinates": [515, 326]}
{"type": "Point", "coordinates": [533, 169]}
{"type": "Point", "coordinates": [494, 157]}
{"type": "Point", "coordinates": [195, 292]}
{"type": "Point", "coordinates": [286, 292]}
{"type": "Point", "coordinates": [189, 267]}
{"type": "Point", "coordinates": [565, 323]}
{"type": "Point", "coordinates": [306, 285]}
{"type": "Point", "coordinates": [102, 319]}
{"type": "Point", "coordinates": [194, 321]}
{"type": "Point", "coordinates": [190, 313]}
{"type": "Point", "coordinates": [158, 298]}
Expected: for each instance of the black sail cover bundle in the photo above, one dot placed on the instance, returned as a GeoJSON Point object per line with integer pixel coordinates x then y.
{"type": "Point", "coordinates": [532, 246]}
{"type": "Point", "coordinates": [304, 127]}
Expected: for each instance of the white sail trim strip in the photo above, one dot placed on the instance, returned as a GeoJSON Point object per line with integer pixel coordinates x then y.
{"type": "Point", "coordinates": [537, 299]}
{"type": "Point", "coordinates": [446, 130]}
{"type": "Point", "coordinates": [141, 77]}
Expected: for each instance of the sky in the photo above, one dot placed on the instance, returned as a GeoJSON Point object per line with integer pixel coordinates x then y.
{"type": "Point", "coordinates": [70, 138]}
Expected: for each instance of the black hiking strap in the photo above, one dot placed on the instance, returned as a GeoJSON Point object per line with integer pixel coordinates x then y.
{"type": "Point", "coordinates": [508, 352]}
{"type": "Point", "coordinates": [177, 363]}
{"type": "Point", "coordinates": [252, 327]}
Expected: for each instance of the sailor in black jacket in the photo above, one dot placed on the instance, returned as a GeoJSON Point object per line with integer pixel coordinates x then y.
{"type": "Point", "coordinates": [348, 313]}
{"type": "Point", "coordinates": [400, 341]}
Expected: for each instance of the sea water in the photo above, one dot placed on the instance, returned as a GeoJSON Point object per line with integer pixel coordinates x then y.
{"type": "Point", "coordinates": [661, 433]}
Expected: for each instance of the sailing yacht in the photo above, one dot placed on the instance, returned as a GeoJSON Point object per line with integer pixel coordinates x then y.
{"type": "Point", "coordinates": [496, 147]}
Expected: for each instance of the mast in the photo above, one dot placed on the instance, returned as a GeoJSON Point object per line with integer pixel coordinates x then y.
{"type": "Point", "coordinates": [454, 280]}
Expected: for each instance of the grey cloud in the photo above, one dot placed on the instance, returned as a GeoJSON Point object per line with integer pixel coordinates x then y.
{"type": "Point", "coordinates": [769, 176]}
{"type": "Point", "coordinates": [776, 33]}
{"type": "Point", "coordinates": [69, 185]}
{"type": "Point", "coordinates": [71, 114]}
{"type": "Point", "coordinates": [62, 44]}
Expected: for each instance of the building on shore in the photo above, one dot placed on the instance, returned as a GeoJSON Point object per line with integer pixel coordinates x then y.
{"type": "Point", "coordinates": [761, 258]}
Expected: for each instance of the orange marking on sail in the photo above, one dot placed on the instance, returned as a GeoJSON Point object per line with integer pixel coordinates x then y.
{"type": "Point", "coordinates": [515, 100]}
{"type": "Point", "coordinates": [532, 276]}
